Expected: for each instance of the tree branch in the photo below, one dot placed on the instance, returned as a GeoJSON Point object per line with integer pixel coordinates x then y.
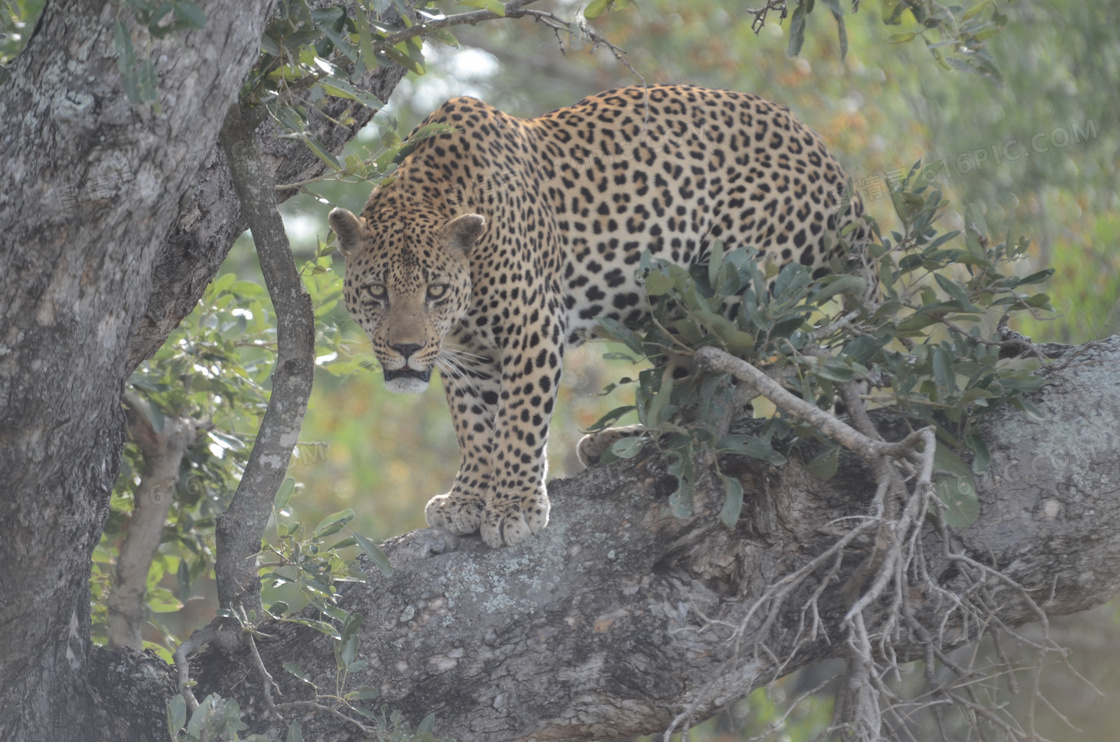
{"type": "Point", "coordinates": [162, 453]}
{"type": "Point", "coordinates": [620, 619]}
{"type": "Point", "coordinates": [241, 527]}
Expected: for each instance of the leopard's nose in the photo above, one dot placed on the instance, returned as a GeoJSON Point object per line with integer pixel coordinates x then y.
{"type": "Point", "coordinates": [406, 349]}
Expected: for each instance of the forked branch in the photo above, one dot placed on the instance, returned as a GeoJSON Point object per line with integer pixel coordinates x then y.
{"type": "Point", "coordinates": [880, 613]}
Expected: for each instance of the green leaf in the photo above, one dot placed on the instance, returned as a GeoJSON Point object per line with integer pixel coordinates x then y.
{"type": "Point", "coordinates": [176, 714]}
{"type": "Point", "coordinates": [183, 576]}
{"type": "Point", "coordinates": [715, 262]}
{"type": "Point", "coordinates": [797, 29]}
{"type": "Point", "coordinates": [611, 417]}
{"type": "Point", "coordinates": [189, 14]}
{"type": "Point", "coordinates": [862, 349]}
{"type": "Point", "coordinates": [846, 284]}
{"type": "Point", "coordinates": [155, 417]}
{"type": "Point", "coordinates": [615, 330]}
{"type": "Point", "coordinates": [320, 150]}
{"type": "Point", "coordinates": [295, 732]}
{"type": "Point", "coordinates": [682, 497]}
{"type": "Point", "coordinates": [595, 9]}
{"type": "Point", "coordinates": [163, 601]}
{"type": "Point", "coordinates": [294, 669]}
{"type": "Point", "coordinates": [656, 393]}
{"type": "Point", "coordinates": [955, 290]}
{"type": "Point", "coordinates": [982, 460]}
{"type": "Point", "coordinates": [1033, 412]}
{"type": "Point", "coordinates": [351, 637]}
{"type": "Point", "coordinates": [279, 608]}
{"type": "Point", "coordinates": [321, 626]}
{"type": "Point", "coordinates": [943, 369]}
{"type": "Point", "coordinates": [946, 460]}
{"type": "Point", "coordinates": [404, 60]}
{"type": "Point", "coordinates": [733, 504]}
{"type": "Point", "coordinates": [427, 725]}
{"type": "Point", "coordinates": [333, 523]}
{"type": "Point", "coordinates": [755, 447]}
{"type": "Point", "coordinates": [284, 494]}
{"type": "Point", "coordinates": [958, 491]}
{"type": "Point", "coordinates": [974, 10]}
{"type": "Point", "coordinates": [269, 45]}
{"type": "Point", "coordinates": [959, 497]}
{"type": "Point", "coordinates": [374, 554]}
{"type": "Point", "coordinates": [365, 40]}
{"type": "Point", "coordinates": [1038, 277]}
{"type": "Point", "coordinates": [629, 447]}
{"type": "Point", "coordinates": [659, 283]}
{"type": "Point", "coordinates": [841, 34]}
{"type": "Point", "coordinates": [824, 465]}
{"type": "Point", "coordinates": [126, 61]}
{"type": "Point", "coordinates": [365, 693]}
{"type": "Point", "coordinates": [834, 370]}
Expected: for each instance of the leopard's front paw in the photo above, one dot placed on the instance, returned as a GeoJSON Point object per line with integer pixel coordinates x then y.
{"type": "Point", "coordinates": [510, 521]}
{"type": "Point", "coordinates": [455, 513]}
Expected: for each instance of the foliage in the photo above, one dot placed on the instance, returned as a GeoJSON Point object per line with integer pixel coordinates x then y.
{"type": "Point", "coordinates": [17, 17]}
{"type": "Point", "coordinates": [916, 339]}
{"type": "Point", "coordinates": [215, 367]}
{"type": "Point", "coordinates": [959, 33]}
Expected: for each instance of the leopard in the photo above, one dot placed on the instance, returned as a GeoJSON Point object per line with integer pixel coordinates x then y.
{"type": "Point", "coordinates": [498, 243]}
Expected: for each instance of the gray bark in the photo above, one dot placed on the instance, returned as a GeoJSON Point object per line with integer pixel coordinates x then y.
{"type": "Point", "coordinates": [241, 527]}
{"type": "Point", "coordinates": [91, 185]}
{"type": "Point", "coordinates": [113, 219]}
{"type": "Point", "coordinates": [163, 453]}
{"type": "Point", "coordinates": [210, 218]}
{"type": "Point", "coordinates": [619, 617]}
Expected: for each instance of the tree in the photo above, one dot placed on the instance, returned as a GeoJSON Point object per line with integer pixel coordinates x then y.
{"type": "Point", "coordinates": [115, 218]}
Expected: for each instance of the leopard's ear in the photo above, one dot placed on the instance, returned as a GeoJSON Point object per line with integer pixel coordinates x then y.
{"type": "Point", "coordinates": [349, 229]}
{"type": "Point", "coordinates": [463, 232]}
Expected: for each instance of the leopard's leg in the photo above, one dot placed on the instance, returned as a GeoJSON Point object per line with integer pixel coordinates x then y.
{"type": "Point", "coordinates": [472, 384]}
{"type": "Point", "coordinates": [518, 505]}
{"type": "Point", "coordinates": [592, 446]}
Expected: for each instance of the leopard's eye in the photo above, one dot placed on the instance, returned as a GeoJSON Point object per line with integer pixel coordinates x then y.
{"type": "Point", "coordinates": [437, 291]}
{"type": "Point", "coordinates": [374, 291]}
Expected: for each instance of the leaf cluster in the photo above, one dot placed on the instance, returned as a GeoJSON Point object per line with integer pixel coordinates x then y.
{"type": "Point", "coordinates": [311, 55]}
{"type": "Point", "coordinates": [955, 35]}
{"type": "Point", "coordinates": [215, 368]}
{"type": "Point", "coordinates": [901, 321]}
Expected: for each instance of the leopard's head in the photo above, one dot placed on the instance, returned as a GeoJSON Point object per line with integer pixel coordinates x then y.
{"type": "Point", "coordinates": [407, 284]}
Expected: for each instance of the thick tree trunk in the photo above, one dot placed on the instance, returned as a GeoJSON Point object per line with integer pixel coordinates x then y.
{"type": "Point", "coordinates": [91, 185]}
{"type": "Point", "coordinates": [113, 219]}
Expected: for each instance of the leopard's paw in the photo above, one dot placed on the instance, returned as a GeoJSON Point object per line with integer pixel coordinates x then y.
{"type": "Point", "coordinates": [455, 513]}
{"type": "Point", "coordinates": [592, 446]}
{"type": "Point", "coordinates": [509, 522]}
